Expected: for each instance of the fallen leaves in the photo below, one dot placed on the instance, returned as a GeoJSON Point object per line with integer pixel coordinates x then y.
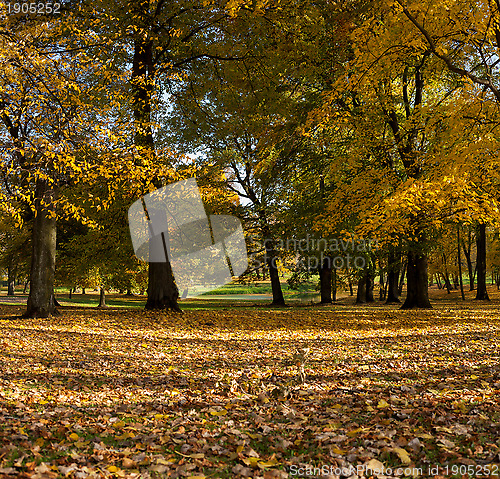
{"type": "Point", "coordinates": [129, 393]}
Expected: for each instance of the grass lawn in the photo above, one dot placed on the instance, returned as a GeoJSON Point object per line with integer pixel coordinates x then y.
{"type": "Point", "coordinates": [217, 392]}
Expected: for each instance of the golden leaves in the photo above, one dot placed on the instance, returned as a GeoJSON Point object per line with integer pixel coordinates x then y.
{"type": "Point", "coordinates": [375, 377]}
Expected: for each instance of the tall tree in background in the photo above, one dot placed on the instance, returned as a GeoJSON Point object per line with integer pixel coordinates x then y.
{"type": "Point", "coordinates": [165, 38]}
{"type": "Point", "coordinates": [45, 122]}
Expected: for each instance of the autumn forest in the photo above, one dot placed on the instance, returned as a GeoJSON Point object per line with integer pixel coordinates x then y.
{"type": "Point", "coordinates": [250, 238]}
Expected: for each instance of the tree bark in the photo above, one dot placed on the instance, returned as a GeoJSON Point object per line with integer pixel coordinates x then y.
{"type": "Point", "coordinates": [271, 258]}
{"type": "Point", "coordinates": [162, 290]}
{"type": "Point", "coordinates": [468, 259]}
{"type": "Point", "coordinates": [459, 262]}
{"type": "Point", "coordinates": [43, 260]}
{"type": "Point", "coordinates": [383, 286]}
{"type": "Point", "coordinates": [361, 292]}
{"type": "Point", "coordinates": [482, 292]}
{"type": "Point", "coordinates": [325, 280]}
{"type": "Point", "coordinates": [370, 283]}
{"type": "Point", "coordinates": [392, 277]}
{"type": "Point", "coordinates": [417, 294]}
{"type": "Point", "coordinates": [446, 281]}
{"type": "Point", "coordinates": [11, 280]}
{"type": "Point", "coordinates": [102, 298]}
{"type": "Point", "coordinates": [366, 283]}
{"type": "Point", "coordinates": [402, 278]}
{"type": "Point", "coordinates": [334, 284]}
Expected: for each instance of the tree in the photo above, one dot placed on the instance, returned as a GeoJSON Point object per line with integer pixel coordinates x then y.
{"type": "Point", "coordinates": [409, 118]}
{"type": "Point", "coordinates": [41, 112]}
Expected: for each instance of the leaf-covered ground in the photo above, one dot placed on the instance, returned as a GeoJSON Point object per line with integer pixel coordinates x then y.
{"type": "Point", "coordinates": [125, 393]}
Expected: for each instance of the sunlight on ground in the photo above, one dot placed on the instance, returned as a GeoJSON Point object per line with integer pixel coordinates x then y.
{"type": "Point", "coordinates": [218, 393]}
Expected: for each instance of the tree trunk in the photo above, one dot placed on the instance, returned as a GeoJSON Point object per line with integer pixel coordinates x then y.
{"type": "Point", "coordinates": [446, 281]}
{"type": "Point", "coordinates": [402, 278]}
{"type": "Point", "coordinates": [459, 262]}
{"type": "Point", "coordinates": [446, 275]}
{"type": "Point", "coordinates": [271, 259]}
{"type": "Point", "coordinates": [102, 298]}
{"type": "Point", "coordinates": [392, 277]}
{"type": "Point", "coordinates": [43, 259]}
{"type": "Point", "coordinates": [383, 286]}
{"type": "Point", "coordinates": [70, 293]}
{"type": "Point", "coordinates": [349, 282]}
{"type": "Point", "coordinates": [417, 294]}
{"type": "Point", "coordinates": [482, 292]}
{"type": "Point", "coordinates": [370, 283]}
{"type": "Point", "coordinates": [468, 259]}
{"type": "Point", "coordinates": [334, 284]}
{"type": "Point", "coordinates": [11, 280]}
{"type": "Point", "coordinates": [162, 290]}
{"type": "Point", "coordinates": [361, 292]}
{"type": "Point", "coordinates": [325, 280]}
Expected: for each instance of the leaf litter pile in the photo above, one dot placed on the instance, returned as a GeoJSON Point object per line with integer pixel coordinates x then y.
{"type": "Point", "coordinates": [263, 393]}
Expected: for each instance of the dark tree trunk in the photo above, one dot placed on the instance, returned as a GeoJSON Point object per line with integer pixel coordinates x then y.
{"type": "Point", "coordinates": [459, 262]}
{"type": "Point", "coordinates": [11, 280]}
{"type": "Point", "coordinates": [271, 261]}
{"type": "Point", "coordinates": [129, 292]}
{"type": "Point", "coordinates": [102, 298]}
{"type": "Point", "coordinates": [83, 290]}
{"type": "Point", "coordinates": [334, 284]}
{"type": "Point", "coordinates": [349, 282]}
{"type": "Point", "coordinates": [417, 293]}
{"type": "Point", "coordinates": [468, 259]}
{"type": "Point", "coordinates": [482, 292]}
{"type": "Point", "coordinates": [70, 292]}
{"type": "Point", "coordinates": [26, 286]}
{"type": "Point", "coordinates": [43, 259]}
{"type": "Point", "coordinates": [392, 277]}
{"type": "Point", "coordinates": [370, 284]}
{"type": "Point", "coordinates": [446, 281]}
{"type": "Point", "coordinates": [162, 290]}
{"type": "Point", "coordinates": [383, 286]}
{"type": "Point", "coordinates": [402, 277]}
{"type": "Point", "coordinates": [325, 280]}
{"type": "Point", "coordinates": [361, 292]}
{"type": "Point", "coordinates": [446, 276]}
